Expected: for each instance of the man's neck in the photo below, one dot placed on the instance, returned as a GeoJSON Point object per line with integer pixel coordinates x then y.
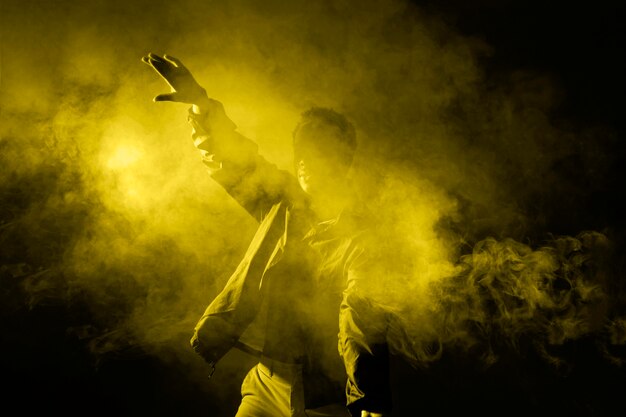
{"type": "Point", "coordinates": [329, 207]}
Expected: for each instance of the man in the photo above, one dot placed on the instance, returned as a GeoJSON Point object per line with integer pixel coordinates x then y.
{"type": "Point", "coordinates": [304, 277]}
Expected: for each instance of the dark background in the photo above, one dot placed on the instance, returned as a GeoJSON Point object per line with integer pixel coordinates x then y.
{"type": "Point", "coordinates": [46, 369]}
{"type": "Point", "coordinates": [582, 47]}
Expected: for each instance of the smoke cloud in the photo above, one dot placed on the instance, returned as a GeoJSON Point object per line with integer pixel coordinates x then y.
{"type": "Point", "coordinates": [108, 214]}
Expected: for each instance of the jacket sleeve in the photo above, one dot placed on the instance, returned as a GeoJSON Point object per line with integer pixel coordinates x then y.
{"type": "Point", "coordinates": [362, 341]}
{"type": "Point", "coordinates": [234, 308]}
{"type": "Point", "coordinates": [234, 162]}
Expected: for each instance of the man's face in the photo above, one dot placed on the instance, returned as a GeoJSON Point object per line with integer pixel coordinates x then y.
{"type": "Point", "coordinates": [320, 169]}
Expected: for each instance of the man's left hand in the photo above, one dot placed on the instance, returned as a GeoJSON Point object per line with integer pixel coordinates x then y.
{"type": "Point", "coordinates": [368, 414]}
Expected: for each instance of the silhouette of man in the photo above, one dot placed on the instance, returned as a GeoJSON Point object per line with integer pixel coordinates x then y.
{"type": "Point", "coordinates": [303, 280]}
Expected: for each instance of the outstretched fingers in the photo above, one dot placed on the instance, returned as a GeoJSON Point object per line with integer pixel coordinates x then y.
{"type": "Point", "coordinates": [166, 97]}
{"type": "Point", "coordinates": [173, 60]}
{"type": "Point", "coordinates": [184, 88]}
{"type": "Point", "coordinates": [161, 65]}
{"type": "Point", "coordinates": [155, 57]}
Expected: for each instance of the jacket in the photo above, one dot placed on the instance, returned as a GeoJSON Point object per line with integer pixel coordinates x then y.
{"type": "Point", "coordinates": [293, 265]}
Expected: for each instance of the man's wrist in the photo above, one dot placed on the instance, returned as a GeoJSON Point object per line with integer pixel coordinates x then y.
{"type": "Point", "coordinates": [201, 104]}
{"type": "Point", "coordinates": [198, 109]}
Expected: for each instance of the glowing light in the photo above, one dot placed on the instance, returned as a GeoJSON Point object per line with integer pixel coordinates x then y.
{"type": "Point", "coordinates": [123, 156]}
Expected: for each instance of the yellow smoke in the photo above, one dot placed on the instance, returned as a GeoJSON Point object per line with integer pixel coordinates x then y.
{"type": "Point", "coordinates": [507, 296]}
{"type": "Point", "coordinates": [105, 189]}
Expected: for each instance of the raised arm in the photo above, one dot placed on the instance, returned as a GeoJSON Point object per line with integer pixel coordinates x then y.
{"type": "Point", "coordinates": [232, 159]}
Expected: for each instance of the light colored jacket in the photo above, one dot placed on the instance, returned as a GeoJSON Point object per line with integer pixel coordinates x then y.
{"type": "Point", "coordinates": [275, 199]}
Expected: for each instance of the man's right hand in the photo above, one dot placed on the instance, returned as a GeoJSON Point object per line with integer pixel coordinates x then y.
{"type": "Point", "coordinates": [185, 89]}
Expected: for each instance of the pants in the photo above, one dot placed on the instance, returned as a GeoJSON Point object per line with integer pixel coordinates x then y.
{"type": "Point", "coordinates": [274, 389]}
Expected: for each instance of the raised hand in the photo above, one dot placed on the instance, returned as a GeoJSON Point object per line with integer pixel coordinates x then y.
{"type": "Point", "coordinates": [184, 87]}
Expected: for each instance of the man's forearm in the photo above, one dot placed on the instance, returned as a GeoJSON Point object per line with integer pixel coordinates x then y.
{"type": "Point", "coordinates": [234, 162]}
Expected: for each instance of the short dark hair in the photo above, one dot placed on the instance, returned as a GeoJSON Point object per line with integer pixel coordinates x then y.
{"type": "Point", "coordinates": [324, 124]}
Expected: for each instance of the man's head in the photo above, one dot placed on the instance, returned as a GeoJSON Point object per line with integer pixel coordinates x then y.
{"type": "Point", "coordinates": [324, 144]}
